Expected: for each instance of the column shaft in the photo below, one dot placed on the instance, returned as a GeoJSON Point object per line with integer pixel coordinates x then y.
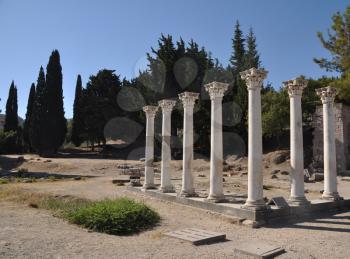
{"type": "Point", "coordinates": [165, 178]}
{"type": "Point", "coordinates": [330, 167]}
{"type": "Point", "coordinates": [254, 80]}
{"type": "Point", "coordinates": [216, 160]}
{"type": "Point", "coordinates": [216, 91]}
{"type": "Point", "coordinates": [149, 149]}
{"type": "Point", "coordinates": [187, 177]}
{"type": "Point", "coordinates": [255, 177]}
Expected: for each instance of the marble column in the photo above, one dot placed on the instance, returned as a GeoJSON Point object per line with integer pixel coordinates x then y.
{"type": "Point", "coordinates": [216, 92]}
{"type": "Point", "coordinates": [165, 178]}
{"type": "Point", "coordinates": [295, 89]}
{"type": "Point", "coordinates": [150, 112]}
{"type": "Point", "coordinates": [254, 79]}
{"type": "Point", "coordinates": [188, 100]}
{"type": "Point", "coordinates": [327, 95]}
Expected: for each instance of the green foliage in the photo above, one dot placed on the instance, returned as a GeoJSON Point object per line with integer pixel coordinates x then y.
{"type": "Point", "coordinates": [238, 56]}
{"type": "Point", "coordinates": [11, 119]}
{"type": "Point", "coordinates": [38, 127]}
{"type": "Point", "coordinates": [55, 121]}
{"type": "Point", "coordinates": [99, 104]}
{"type": "Point", "coordinates": [78, 115]}
{"type": "Point", "coordinates": [27, 121]}
{"type": "Point", "coordinates": [251, 58]}
{"type": "Point", "coordinates": [343, 86]}
{"type": "Point", "coordinates": [10, 142]}
{"type": "Point", "coordinates": [275, 113]}
{"type": "Point", "coordinates": [173, 69]}
{"type": "Point", "coordinates": [338, 44]}
{"type": "Point", "coordinates": [3, 181]}
{"type": "Point", "coordinates": [117, 217]}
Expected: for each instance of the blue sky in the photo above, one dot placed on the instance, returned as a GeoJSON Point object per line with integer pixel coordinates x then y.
{"type": "Point", "coordinates": [96, 34]}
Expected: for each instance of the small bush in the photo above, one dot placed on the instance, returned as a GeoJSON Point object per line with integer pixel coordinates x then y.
{"type": "Point", "coordinates": [3, 181]}
{"type": "Point", "coordinates": [118, 217]}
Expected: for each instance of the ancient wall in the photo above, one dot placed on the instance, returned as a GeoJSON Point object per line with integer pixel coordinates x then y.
{"type": "Point", "coordinates": [342, 136]}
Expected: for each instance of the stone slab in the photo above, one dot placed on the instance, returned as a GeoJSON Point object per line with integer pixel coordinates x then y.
{"type": "Point", "coordinates": [197, 236]}
{"type": "Point", "coordinates": [279, 201]}
{"type": "Point", "coordinates": [259, 250]}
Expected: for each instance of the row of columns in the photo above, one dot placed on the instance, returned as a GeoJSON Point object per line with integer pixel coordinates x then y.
{"type": "Point", "coordinates": [255, 200]}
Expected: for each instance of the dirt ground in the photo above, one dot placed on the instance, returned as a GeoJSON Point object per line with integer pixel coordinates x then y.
{"type": "Point", "coordinates": [31, 233]}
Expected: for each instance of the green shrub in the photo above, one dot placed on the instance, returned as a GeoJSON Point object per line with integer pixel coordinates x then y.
{"type": "Point", "coordinates": [118, 217]}
{"type": "Point", "coordinates": [3, 181]}
{"type": "Point", "coordinates": [10, 142]}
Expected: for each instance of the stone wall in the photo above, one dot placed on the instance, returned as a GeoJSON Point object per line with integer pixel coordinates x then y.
{"type": "Point", "coordinates": [342, 137]}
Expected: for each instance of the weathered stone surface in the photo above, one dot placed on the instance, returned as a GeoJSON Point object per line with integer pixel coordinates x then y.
{"type": "Point", "coordinates": [197, 236]}
{"type": "Point", "coordinates": [342, 136]}
{"type": "Point", "coordinates": [259, 250]}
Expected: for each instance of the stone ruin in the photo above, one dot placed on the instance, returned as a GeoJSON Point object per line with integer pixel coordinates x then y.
{"type": "Point", "coordinates": [255, 207]}
{"type": "Point", "coordinates": [342, 137]}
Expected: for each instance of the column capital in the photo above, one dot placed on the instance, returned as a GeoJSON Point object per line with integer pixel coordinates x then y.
{"type": "Point", "coordinates": [167, 105]}
{"type": "Point", "coordinates": [254, 78]}
{"type": "Point", "coordinates": [295, 86]}
{"type": "Point", "coordinates": [216, 89]}
{"type": "Point", "coordinates": [150, 110]}
{"type": "Point", "coordinates": [327, 94]}
{"type": "Point", "coordinates": [188, 98]}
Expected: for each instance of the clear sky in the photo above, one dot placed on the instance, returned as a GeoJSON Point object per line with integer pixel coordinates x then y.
{"type": "Point", "coordinates": [116, 34]}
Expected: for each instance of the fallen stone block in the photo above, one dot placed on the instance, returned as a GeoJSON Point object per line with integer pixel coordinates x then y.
{"type": "Point", "coordinates": [197, 236]}
{"type": "Point", "coordinates": [259, 250]}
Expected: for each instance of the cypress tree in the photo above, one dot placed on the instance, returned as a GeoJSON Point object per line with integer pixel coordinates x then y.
{"type": "Point", "coordinates": [56, 122]}
{"type": "Point", "coordinates": [38, 122]}
{"type": "Point", "coordinates": [78, 114]}
{"type": "Point", "coordinates": [27, 120]}
{"type": "Point", "coordinates": [11, 119]}
{"type": "Point", "coordinates": [252, 58]}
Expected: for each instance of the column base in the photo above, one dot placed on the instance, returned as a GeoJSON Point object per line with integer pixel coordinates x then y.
{"type": "Point", "coordinates": [167, 189]}
{"type": "Point", "coordinates": [298, 201]}
{"type": "Point", "coordinates": [187, 194]}
{"type": "Point", "coordinates": [148, 186]}
{"type": "Point", "coordinates": [255, 205]}
{"type": "Point", "coordinates": [216, 198]}
{"type": "Point", "coordinates": [331, 196]}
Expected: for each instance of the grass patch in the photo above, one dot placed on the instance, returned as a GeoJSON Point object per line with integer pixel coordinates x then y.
{"type": "Point", "coordinates": [121, 216]}
{"type": "Point", "coordinates": [118, 217]}
{"type": "Point", "coordinates": [3, 181]}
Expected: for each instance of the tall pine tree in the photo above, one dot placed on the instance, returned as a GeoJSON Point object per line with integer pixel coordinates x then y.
{"type": "Point", "coordinates": [78, 115]}
{"type": "Point", "coordinates": [38, 133]}
{"type": "Point", "coordinates": [252, 58]}
{"type": "Point", "coordinates": [11, 119]}
{"type": "Point", "coordinates": [56, 122]}
{"type": "Point", "coordinates": [27, 120]}
{"type": "Point", "coordinates": [238, 55]}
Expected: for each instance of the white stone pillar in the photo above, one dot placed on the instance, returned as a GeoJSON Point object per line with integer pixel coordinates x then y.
{"type": "Point", "coordinates": [327, 95]}
{"type": "Point", "coordinates": [188, 100]}
{"type": "Point", "coordinates": [216, 92]}
{"type": "Point", "coordinates": [165, 178]}
{"type": "Point", "coordinates": [295, 89]}
{"type": "Point", "coordinates": [254, 79]}
{"type": "Point", "coordinates": [150, 112]}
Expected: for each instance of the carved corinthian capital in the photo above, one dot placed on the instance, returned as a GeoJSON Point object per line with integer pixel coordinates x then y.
{"type": "Point", "coordinates": [327, 94]}
{"type": "Point", "coordinates": [295, 86]}
{"type": "Point", "coordinates": [167, 105]}
{"type": "Point", "coordinates": [254, 78]}
{"type": "Point", "coordinates": [216, 89]}
{"type": "Point", "coordinates": [188, 98]}
{"type": "Point", "coordinates": [150, 110]}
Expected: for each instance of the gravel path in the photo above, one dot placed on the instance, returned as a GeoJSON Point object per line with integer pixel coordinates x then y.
{"type": "Point", "coordinates": [31, 233]}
